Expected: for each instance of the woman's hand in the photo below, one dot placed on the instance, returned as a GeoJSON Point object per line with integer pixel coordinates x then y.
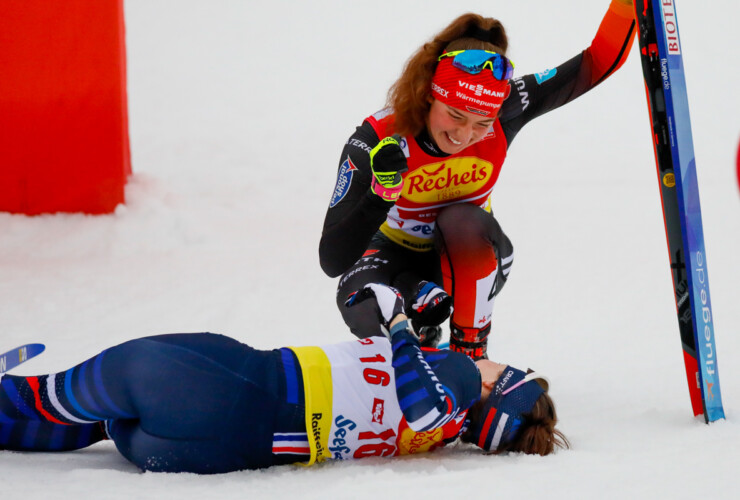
{"type": "Point", "coordinates": [388, 163]}
{"type": "Point", "coordinates": [390, 302]}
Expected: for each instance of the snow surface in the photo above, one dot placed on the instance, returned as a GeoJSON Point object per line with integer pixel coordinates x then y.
{"type": "Point", "coordinates": [239, 110]}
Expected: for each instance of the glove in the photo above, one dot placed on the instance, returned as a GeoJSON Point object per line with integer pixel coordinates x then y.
{"type": "Point", "coordinates": [388, 162]}
{"type": "Point", "coordinates": [390, 302]}
{"type": "Point", "coordinates": [431, 307]}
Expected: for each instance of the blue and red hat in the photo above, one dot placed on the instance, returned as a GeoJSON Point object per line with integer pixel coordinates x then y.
{"type": "Point", "coordinates": [514, 394]}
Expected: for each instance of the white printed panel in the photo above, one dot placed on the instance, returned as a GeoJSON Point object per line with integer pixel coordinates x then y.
{"type": "Point", "coordinates": [484, 299]}
{"type": "Point", "coordinates": [365, 411]}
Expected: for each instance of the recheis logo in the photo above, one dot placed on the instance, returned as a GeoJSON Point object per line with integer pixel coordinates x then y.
{"type": "Point", "coordinates": [433, 172]}
{"type": "Point", "coordinates": [344, 181]}
{"type": "Point", "coordinates": [450, 179]}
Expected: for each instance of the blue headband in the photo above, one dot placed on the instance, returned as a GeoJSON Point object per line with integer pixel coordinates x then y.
{"type": "Point", "coordinates": [514, 394]}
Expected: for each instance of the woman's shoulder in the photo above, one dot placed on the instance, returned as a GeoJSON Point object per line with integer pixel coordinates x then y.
{"type": "Point", "coordinates": [381, 122]}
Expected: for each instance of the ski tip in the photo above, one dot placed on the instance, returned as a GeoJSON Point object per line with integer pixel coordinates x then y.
{"type": "Point", "coordinates": [36, 348]}
{"type": "Point", "coordinates": [20, 354]}
{"type": "Point", "coordinates": [27, 350]}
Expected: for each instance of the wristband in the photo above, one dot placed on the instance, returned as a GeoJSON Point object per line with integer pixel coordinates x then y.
{"type": "Point", "coordinates": [399, 327]}
{"type": "Point", "coordinates": [387, 193]}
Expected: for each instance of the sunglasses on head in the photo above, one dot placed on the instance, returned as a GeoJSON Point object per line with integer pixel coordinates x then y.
{"type": "Point", "coordinates": [475, 61]}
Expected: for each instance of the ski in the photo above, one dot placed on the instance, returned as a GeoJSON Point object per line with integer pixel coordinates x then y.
{"type": "Point", "coordinates": [665, 85]}
{"type": "Point", "coordinates": [15, 357]}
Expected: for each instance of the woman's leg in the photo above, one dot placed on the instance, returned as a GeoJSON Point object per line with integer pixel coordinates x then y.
{"type": "Point", "coordinates": [52, 412]}
{"type": "Point", "coordinates": [388, 263]}
{"type": "Point", "coordinates": [476, 257]}
{"type": "Point", "coordinates": [165, 395]}
{"type": "Point", "coordinates": [36, 435]}
{"type": "Point", "coordinates": [157, 454]}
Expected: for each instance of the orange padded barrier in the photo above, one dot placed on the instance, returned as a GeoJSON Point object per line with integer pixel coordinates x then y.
{"type": "Point", "coordinates": [64, 144]}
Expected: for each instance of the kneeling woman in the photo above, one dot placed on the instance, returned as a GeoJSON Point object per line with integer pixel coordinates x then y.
{"type": "Point", "coordinates": [206, 403]}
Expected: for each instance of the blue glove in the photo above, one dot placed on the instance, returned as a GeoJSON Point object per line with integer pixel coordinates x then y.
{"type": "Point", "coordinates": [389, 300]}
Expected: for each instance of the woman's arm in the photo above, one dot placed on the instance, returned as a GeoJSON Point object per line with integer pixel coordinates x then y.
{"type": "Point", "coordinates": [355, 213]}
{"type": "Point", "coordinates": [427, 400]}
{"type": "Point", "coordinates": [428, 397]}
{"type": "Point", "coordinates": [534, 95]}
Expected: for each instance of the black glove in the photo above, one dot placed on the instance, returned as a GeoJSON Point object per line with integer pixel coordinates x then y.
{"type": "Point", "coordinates": [388, 162]}
{"type": "Point", "coordinates": [389, 300]}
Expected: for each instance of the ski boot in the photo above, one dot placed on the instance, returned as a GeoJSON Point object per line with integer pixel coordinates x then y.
{"type": "Point", "coordinates": [470, 341]}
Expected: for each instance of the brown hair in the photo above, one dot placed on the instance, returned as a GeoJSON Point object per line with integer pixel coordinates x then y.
{"type": "Point", "coordinates": [537, 434]}
{"type": "Point", "coordinates": [409, 96]}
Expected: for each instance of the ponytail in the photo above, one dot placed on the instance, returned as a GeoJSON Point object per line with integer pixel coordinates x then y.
{"type": "Point", "coordinates": [537, 434]}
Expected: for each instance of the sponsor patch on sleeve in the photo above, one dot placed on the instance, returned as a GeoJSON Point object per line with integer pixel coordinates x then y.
{"type": "Point", "coordinates": [543, 76]}
{"type": "Point", "coordinates": [404, 147]}
{"type": "Point", "coordinates": [344, 181]}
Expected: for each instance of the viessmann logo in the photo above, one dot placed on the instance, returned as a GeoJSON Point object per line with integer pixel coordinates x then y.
{"type": "Point", "coordinates": [480, 90]}
{"type": "Point", "coordinates": [453, 178]}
